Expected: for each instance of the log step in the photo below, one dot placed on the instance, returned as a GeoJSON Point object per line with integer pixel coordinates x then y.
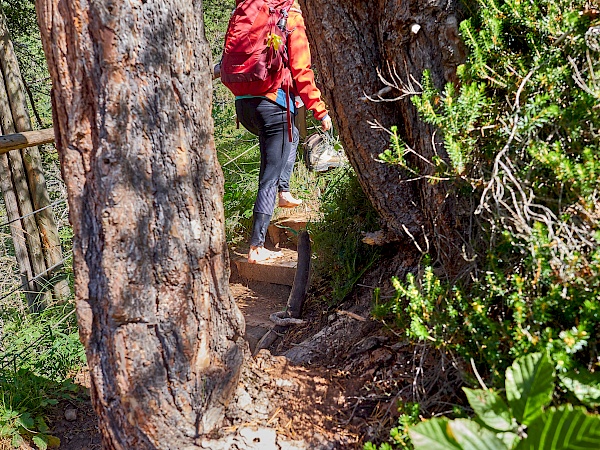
{"type": "Point", "coordinates": [276, 271]}
{"type": "Point", "coordinates": [284, 232]}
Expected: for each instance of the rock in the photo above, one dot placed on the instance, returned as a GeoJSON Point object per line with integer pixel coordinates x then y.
{"type": "Point", "coordinates": [71, 414]}
{"type": "Point", "coordinates": [368, 343]}
{"type": "Point", "coordinates": [280, 382]}
{"type": "Point", "coordinates": [254, 335]}
{"type": "Point", "coordinates": [245, 402]}
{"type": "Point", "coordinates": [262, 407]}
{"type": "Point", "coordinates": [260, 439]}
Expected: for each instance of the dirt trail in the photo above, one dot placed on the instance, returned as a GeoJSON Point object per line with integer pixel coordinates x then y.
{"type": "Point", "coordinates": [278, 405]}
{"type": "Point", "coordinates": [336, 385]}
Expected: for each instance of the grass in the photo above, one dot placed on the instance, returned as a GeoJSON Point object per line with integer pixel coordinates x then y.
{"type": "Point", "coordinates": [345, 213]}
{"type": "Point", "coordinates": [39, 352]}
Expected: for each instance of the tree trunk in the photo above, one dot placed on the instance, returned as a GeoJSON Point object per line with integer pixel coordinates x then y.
{"type": "Point", "coordinates": [350, 40]}
{"type": "Point", "coordinates": [132, 113]}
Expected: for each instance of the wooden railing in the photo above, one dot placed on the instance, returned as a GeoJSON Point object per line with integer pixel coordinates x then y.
{"type": "Point", "coordinates": [26, 139]}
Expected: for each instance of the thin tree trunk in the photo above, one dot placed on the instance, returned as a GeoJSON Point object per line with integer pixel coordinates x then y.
{"type": "Point", "coordinates": [132, 113]}
{"type": "Point", "coordinates": [350, 40]}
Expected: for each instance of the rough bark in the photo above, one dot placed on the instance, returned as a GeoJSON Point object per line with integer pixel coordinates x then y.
{"type": "Point", "coordinates": [132, 114]}
{"type": "Point", "coordinates": [350, 40]}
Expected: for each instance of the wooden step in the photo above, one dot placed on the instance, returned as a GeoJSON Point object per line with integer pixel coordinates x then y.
{"type": "Point", "coordinates": [277, 271]}
{"type": "Point", "coordinates": [284, 232]}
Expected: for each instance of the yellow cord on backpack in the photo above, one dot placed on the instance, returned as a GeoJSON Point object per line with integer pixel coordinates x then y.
{"type": "Point", "coordinates": [275, 41]}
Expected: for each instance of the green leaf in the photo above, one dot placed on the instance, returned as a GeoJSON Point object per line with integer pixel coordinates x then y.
{"type": "Point", "coordinates": [472, 436]}
{"type": "Point", "coordinates": [26, 421]}
{"type": "Point", "coordinates": [509, 439]}
{"type": "Point", "coordinates": [41, 424]}
{"type": "Point", "coordinates": [491, 409]}
{"type": "Point", "coordinates": [40, 442]}
{"type": "Point", "coordinates": [8, 415]}
{"type": "Point", "coordinates": [7, 430]}
{"type": "Point", "coordinates": [434, 434]}
{"type": "Point", "coordinates": [17, 440]}
{"type": "Point", "coordinates": [529, 386]}
{"type": "Point", "coordinates": [563, 428]}
{"type": "Point", "coordinates": [585, 385]}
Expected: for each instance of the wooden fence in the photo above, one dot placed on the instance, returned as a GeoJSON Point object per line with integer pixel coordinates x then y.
{"type": "Point", "coordinates": [22, 183]}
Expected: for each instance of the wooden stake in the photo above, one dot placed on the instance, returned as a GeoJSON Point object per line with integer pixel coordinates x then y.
{"type": "Point", "coordinates": [21, 190]}
{"type": "Point", "coordinates": [16, 229]}
{"type": "Point", "coordinates": [46, 224]}
{"type": "Point", "coordinates": [297, 295]}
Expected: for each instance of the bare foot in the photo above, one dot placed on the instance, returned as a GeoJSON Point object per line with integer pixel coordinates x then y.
{"type": "Point", "coordinates": [259, 254]}
{"type": "Point", "coordinates": [286, 200]}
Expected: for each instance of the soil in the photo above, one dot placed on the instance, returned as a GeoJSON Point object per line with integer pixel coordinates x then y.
{"type": "Point", "coordinates": [335, 383]}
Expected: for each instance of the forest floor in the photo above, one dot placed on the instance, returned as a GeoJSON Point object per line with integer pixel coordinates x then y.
{"type": "Point", "coordinates": [333, 383]}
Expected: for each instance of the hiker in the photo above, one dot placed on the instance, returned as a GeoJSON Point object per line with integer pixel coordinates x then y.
{"type": "Point", "coordinates": [269, 113]}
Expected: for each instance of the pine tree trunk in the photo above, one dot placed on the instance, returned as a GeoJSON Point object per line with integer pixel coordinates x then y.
{"type": "Point", "coordinates": [350, 40]}
{"type": "Point", "coordinates": [132, 113]}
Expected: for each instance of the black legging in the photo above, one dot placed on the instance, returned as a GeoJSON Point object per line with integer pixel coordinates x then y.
{"type": "Point", "coordinates": [268, 120]}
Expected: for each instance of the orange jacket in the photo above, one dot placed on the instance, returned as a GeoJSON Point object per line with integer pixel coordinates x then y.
{"type": "Point", "coordinates": [300, 66]}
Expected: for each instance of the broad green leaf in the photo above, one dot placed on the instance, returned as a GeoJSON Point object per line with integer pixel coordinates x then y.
{"type": "Point", "coordinates": [529, 386]}
{"type": "Point", "coordinates": [564, 428]}
{"type": "Point", "coordinates": [434, 434]}
{"type": "Point", "coordinates": [40, 442]}
{"type": "Point", "coordinates": [7, 415]}
{"type": "Point", "coordinates": [25, 421]}
{"type": "Point", "coordinates": [491, 409]}
{"type": "Point", "coordinates": [471, 436]}
{"type": "Point", "coordinates": [585, 386]}
{"type": "Point", "coordinates": [17, 440]}
{"type": "Point", "coordinates": [41, 424]}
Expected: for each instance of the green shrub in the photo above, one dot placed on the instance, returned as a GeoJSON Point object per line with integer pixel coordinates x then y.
{"type": "Point", "coordinates": [520, 131]}
{"type": "Point", "coordinates": [525, 423]}
{"type": "Point", "coordinates": [240, 160]}
{"type": "Point", "coordinates": [399, 438]}
{"type": "Point", "coordinates": [24, 400]}
{"type": "Point", "coordinates": [40, 352]}
{"type": "Point", "coordinates": [342, 257]}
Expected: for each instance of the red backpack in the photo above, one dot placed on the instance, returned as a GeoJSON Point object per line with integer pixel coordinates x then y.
{"type": "Point", "coordinates": [255, 55]}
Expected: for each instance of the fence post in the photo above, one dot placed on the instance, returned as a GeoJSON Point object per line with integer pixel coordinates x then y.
{"type": "Point", "coordinates": [15, 118]}
{"type": "Point", "coordinates": [16, 230]}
